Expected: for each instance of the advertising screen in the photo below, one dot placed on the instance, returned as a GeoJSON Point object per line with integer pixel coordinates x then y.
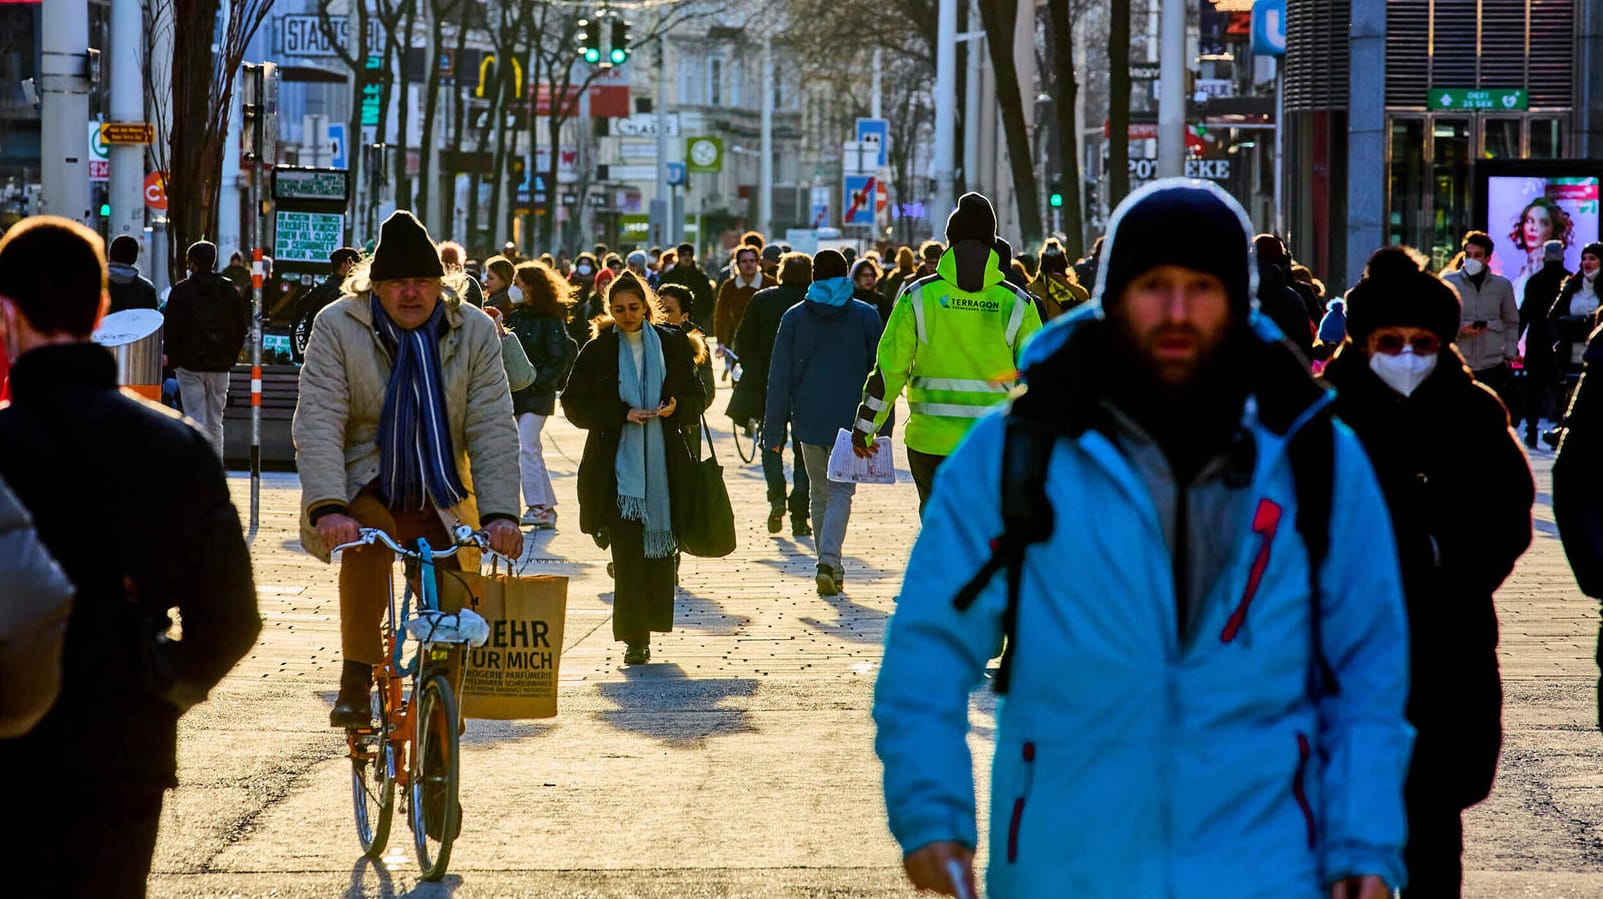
{"type": "Point", "coordinates": [1525, 211]}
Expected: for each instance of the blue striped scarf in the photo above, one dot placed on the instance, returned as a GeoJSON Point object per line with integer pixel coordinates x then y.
{"type": "Point", "coordinates": [416, 461]}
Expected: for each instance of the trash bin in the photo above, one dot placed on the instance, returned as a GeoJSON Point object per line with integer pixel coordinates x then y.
{"type": "Point", "coordinates": [134, 336]}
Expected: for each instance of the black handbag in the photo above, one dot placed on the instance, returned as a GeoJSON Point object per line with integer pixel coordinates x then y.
{"type": "Point", "coordinates": [711, 531]}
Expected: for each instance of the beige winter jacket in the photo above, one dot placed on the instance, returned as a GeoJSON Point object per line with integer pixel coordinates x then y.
{"type": "Point", "coordinates": [342, 396]}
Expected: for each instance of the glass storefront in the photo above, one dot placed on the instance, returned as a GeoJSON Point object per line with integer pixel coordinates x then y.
{"type": "Point", "coordinates": [1431, 170]}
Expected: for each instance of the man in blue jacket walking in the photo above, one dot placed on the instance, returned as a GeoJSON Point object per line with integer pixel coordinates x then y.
{"type": "Point", "coordinates": [1192, 711]}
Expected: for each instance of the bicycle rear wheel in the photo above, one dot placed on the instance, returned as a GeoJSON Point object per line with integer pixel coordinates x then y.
{"type": "Point", "coordinates": [373, 778]}
{"type": "Point", "coordinates": [436, 815]}
{"type": "Point", "coordinates": [745, 441]}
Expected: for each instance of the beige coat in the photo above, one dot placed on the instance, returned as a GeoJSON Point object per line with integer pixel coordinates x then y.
{"type": "Point", "coordinates": [342, 396]}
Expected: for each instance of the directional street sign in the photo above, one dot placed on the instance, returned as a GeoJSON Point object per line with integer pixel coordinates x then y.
{"type": "Point", "coordinates": [1490, 99]}
{"type": "Point", "coordinates": [676, 174]}
{"type": "Point", "coordinates": [127, 132]}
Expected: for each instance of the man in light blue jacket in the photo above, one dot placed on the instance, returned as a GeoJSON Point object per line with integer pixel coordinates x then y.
{"type": "Point", "coordinates": [1191, 711]}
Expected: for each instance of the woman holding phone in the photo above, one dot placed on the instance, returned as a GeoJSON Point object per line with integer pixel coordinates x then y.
{"type": "Point", "coordinates": [634, 389]}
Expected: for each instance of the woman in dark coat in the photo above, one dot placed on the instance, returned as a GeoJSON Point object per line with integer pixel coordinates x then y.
{"type": "Point", "coordinates": [1460, 492]}
{"type": "Point", "coordinates": [634, 389]}
{"type": "Point", "coordinates": [498, 277]}
{"type": "Point", "coordinates": [538, 319]}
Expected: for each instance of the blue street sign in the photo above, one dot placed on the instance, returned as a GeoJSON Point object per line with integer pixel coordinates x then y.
{"type": "Point", "coordinates": [876, 131]}
{"type": "Point", "coordinates": [336, 138]}
{"type": "Point", "coordinates": [676, 174]}
{"type": "Point", "coordinates": [857, 201]}
{"type": "Point", "coordinates": [1269, 27]}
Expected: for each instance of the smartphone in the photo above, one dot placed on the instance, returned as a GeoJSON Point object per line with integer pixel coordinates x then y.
{"type": "Point", "coordinates": [1481, 325]}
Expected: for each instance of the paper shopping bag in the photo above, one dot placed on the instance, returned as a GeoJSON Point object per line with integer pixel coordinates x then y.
{"type": "Point", "coordinates": [514, 675]}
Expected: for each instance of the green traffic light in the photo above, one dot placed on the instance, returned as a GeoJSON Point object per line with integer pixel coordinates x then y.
{"type": "Point", "coordinates": [1056, 200]}
{"type": "Point", "coordinates": [592, 55]}
{"type": "Point", "coordinates": [105, 210]}
{"type": "Point", "coordinates": [619, 55]}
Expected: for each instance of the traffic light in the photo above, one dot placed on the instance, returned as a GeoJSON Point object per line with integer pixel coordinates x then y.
{"type": "Point", "coordinates": [105, 210]}
{"type": "Point", "coordinates": [589, 39]}
{"type": "Point", "coordinates": [1054, 197]}
{"type": "Point", "coordinates": [619, 53]}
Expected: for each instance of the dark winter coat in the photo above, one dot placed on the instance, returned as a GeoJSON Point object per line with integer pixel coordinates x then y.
{"type": "Point", "coordinates": [207, 322]}
{"type": "Point", "coordinates": [550, 350]}
{"type": "Point", "coordinates": [1578, 486]}
{"type": "Point", "coordinates": [754, 344]}
{"type": "Point", "coordinates": [1284, 306]}
{"type": "Point", "coordinates": [822, 355]}
{"type": "Point", "coordinates": [1460, 493]}
{"type": "Point", "coordinates": [313, 302]}
{"type": "Point", "coordinates": [169, 537]}
{"type": "Point", "coordinates": [1563, 329]}
{"type": "Point", "coordinates": [693, 278]}
{"type": "Point", "coordinates": [128, 289]}
{"type": "Point", "coordinates": [591, 402]}
{"type": "Point", "coordinates": [1541, 294]}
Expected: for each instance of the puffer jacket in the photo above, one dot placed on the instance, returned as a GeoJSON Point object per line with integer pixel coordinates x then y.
{"type": "Point", "coordinates": [550, 350]}
{"type": "Point", "coordinates": [342, 389]}
{"type": "Point", "coordinates": [1492, 303]}
{"type": "Point", "coordinates": [1129, 762]}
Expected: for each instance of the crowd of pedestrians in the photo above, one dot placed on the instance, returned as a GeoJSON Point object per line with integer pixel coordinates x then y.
{"type": "Point", "coordinates": [1286, 512]}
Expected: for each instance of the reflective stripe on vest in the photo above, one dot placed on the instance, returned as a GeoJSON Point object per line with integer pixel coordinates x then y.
{"type": "Point", "coordinates": [949, 410]}
{"type": "Point", "coordinates": [916, 297]}
{"type": "Point", "coordinates": [1016, 320]}
{"type": "Point", "coordinates": [965, 385]}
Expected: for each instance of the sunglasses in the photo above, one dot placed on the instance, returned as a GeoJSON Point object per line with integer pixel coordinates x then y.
{"type": "Point", "coordinates": [1423, 344]}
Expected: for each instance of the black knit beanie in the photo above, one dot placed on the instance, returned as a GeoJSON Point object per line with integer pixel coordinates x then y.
{"type": "Point", "coordinates": [404, 250]}
{"type": "Point", "coordinates": [1596, 249]}
{"type": "Point", "coordinates": [829, 264]}
{"type": "Point", "coordinates": [1182, 222]}
{"type": "Point", "coordinates": [1397, 292]}
{"type": "Point", "coordinates": [973, 219]}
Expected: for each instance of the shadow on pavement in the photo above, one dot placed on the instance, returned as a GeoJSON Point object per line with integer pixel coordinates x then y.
{"type": "Point", "coordinates": [661, 702]}
{"type": "Point", "coordinates": [857, 624]}
{"type": "Point", "coordinates": [383, 886]}
{"type": "Point", "coordinates": [490, 731]}
{"type": "Point", "coordinates": [699, 613]}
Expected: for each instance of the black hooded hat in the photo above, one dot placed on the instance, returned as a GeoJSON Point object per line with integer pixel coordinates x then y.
{"type": "Point", "coordinates": [404, 250]}
{"type": "Point", "coordinates": [1397, 292]}
{"type": "Point", "coordinates": [1182, 222]}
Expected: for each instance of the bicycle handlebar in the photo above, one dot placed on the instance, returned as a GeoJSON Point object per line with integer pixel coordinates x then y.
{"type": "Point", "coordinates": [465, 537]}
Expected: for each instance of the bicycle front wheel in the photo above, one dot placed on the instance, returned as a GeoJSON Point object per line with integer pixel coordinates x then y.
{"type": "Point", "coordinates": [745, 440]}
{"type": "Point", "coordinates": [373, 778]}
{"type": "Point", "coordinates": [436, 815]}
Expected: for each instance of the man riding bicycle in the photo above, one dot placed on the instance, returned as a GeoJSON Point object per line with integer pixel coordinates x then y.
{"type": "Point", "coordinates": [404, 407]}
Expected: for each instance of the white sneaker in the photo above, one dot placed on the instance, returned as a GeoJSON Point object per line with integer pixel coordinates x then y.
{"type": "Point", "coordinates": [545, 520]}
{"type": "Point", "coordinates": [532, 517]}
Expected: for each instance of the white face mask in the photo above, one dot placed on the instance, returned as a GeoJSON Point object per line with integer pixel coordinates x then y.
{"type": "Point", "coordinates": [1473, 267]}
{"type": "Point", "coordinates": [584, 269]}
{"type": "Point", "coordinates": [1403, 372]}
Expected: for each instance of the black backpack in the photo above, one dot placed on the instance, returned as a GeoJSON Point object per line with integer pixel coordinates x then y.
{"type": "Point", "coordinates": [1028, 519]}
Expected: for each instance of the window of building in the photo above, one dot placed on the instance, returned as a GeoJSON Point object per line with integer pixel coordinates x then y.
{"type": "Point", "coordinates": [1547, 138]}
{"type": "Point", "coordinates": [1500, 138]}
{"type": "Point", "coordinates": [715, 81]}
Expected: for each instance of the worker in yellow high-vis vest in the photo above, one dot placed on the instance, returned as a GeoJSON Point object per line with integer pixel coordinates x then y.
{"type": "Point", "coordinates": [953, 340]}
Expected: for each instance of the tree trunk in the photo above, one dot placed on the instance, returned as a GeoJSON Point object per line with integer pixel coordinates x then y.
{"type": "Point", "coordinates": [1065, 96]}
{"type": "Point", "coordinates": [431, 106]}
{"type": "Point", "coordinates": [403, 182]}
{"type": "Point", "coordinates": [196, 155]}
{"type": "Point", "coordinates": [1000, 17]}
{"type": "Point", "coordinates": [458, 128]}
{"type": "Point", "coordinates": [1118, 176]}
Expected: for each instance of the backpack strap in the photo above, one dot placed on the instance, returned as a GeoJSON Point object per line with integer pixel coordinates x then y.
{"type": "Point", "coordinates": [1313, 456]}
{"type": "Point", "coordinates": [1027, 519]}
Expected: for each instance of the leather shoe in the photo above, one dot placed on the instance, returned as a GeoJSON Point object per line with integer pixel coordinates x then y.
{"type": "Point", "coordinates": [353, 707]}
{"type": "Point", "coordinates": [800, 528]}
{"type": "Point", "coordinates": [637, 654]}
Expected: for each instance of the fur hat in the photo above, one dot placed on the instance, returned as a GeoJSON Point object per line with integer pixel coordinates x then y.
{"type": "Point", "coordinates": [1184, 222]}
{"type": "Point", "coordinates": [404, 250]}
{"type": "Point", "coordinates": [1396, 291]}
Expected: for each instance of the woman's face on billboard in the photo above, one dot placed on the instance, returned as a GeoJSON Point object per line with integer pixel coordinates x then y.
{"type": "Point", "coordinates": [1538, 227]}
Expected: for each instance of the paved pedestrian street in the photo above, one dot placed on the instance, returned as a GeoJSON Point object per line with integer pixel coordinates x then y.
{"type": "Point", "coordinates": [740, 761]}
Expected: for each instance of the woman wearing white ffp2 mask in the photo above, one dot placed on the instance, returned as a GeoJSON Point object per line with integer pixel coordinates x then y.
{"type": "Point", "coordinates": [1460, 494]}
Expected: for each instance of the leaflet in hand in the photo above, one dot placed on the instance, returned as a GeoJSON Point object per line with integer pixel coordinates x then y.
{"type": "Point", "coordinates": [845, 467]}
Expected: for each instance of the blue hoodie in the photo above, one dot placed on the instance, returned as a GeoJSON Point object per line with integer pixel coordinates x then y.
{"type": "Point", "coordinates": [1130, 762]}
{"type": "Point", "coordinates": [822, 354]}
